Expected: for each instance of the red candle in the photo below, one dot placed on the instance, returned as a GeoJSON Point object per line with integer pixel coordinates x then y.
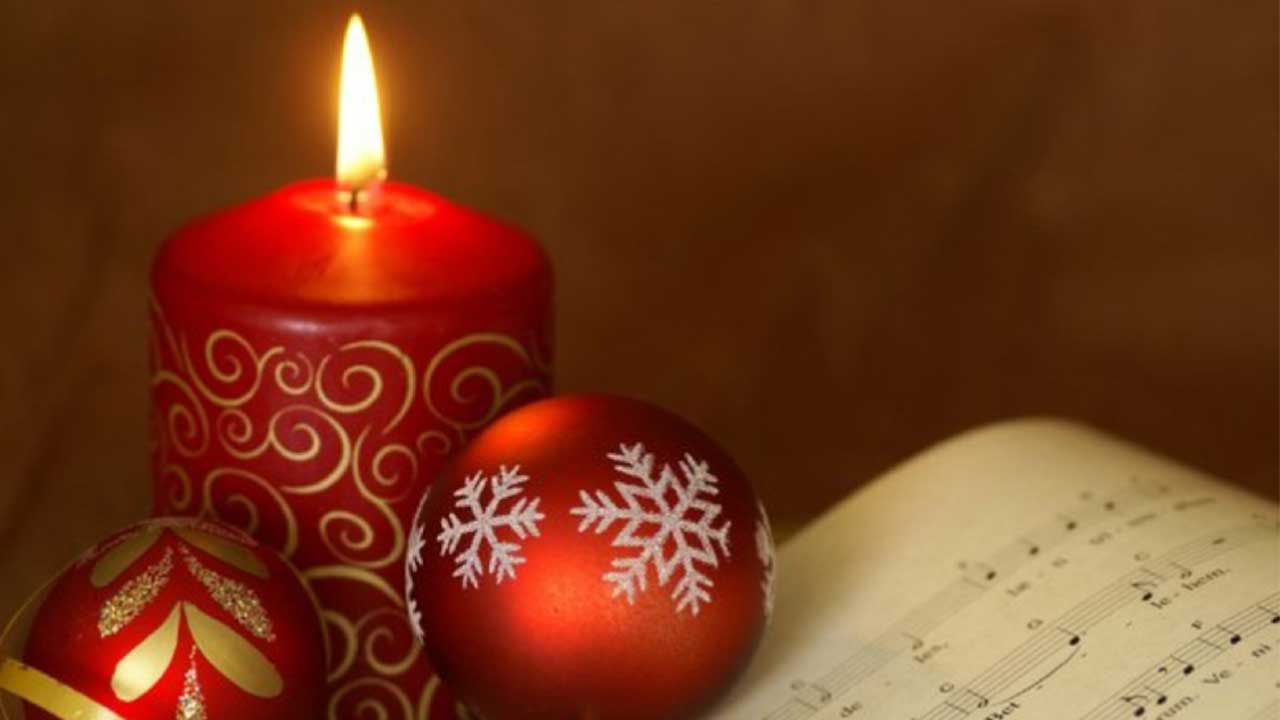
{"type": "Point", "coordinates": [317, 353]}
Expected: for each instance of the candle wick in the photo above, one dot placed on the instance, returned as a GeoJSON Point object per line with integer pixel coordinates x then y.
{"type": "Point", "coordinates": [358, 199]}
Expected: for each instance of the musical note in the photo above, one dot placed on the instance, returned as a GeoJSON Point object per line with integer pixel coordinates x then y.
{"type": "Point", "coordinates": [1144, 587]}
{"type": "Point", "coordinates": [1187, 666]}
{"type": "Point", "coordinates": [983, 700]}
{"type": "Point", "coordinates": [1139, 703]}
{"type": "Point", "coordinates": [1161, 698]}
{"type": "Point", "coordinates": [849, 709]}
{"type": "Point", "coordinates": [811, 695]}
{"type": "Point", "coordinates": [1027, 566]}
{"type": "Point", "coordinates": [985, 571]}
{"type": "Point", "coordinates": [1073, 638]}
{"type": "Point", "coordinates": [1151, 687]}
{"type": "Point", "coordinates": [1014, 668]}
{"type": "Point", "coordinates": [980, 574]}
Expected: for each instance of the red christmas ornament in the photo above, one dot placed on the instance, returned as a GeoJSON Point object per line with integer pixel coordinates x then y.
{"type": "Point", "coordinates": [173, 619]}
{"type": "Point", "coordinates": [590, 556]}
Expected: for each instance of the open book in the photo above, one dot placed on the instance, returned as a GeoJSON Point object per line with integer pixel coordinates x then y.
{"type": "Point", "coordinates": [1033, 570]}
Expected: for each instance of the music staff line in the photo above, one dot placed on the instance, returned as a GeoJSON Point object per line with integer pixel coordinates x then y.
{"type": "Point", "coordinates": [1152, 688]}
{"type": "Point", "coordinates": [1000, 682]}
{"type": "Point", "coordinates": [907, 633]}
{"type": "Point", "coordinates": [1098, 608]}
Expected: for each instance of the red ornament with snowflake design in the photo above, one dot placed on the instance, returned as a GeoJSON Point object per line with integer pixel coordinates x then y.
{"type": "Point", "coordinates": [173, 618]}
{"type": "Point", "coordinates": [590, 556]}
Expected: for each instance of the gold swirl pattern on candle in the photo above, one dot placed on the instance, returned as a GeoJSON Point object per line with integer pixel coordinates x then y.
{"type": "Point", "coordinates": [240, 509]}
{"type": "Point", "coordinates": [186, 423]}
{"type": "Point", "coordinates": [181, 491]}
{"type": "Point", "coordinates": [227, 367]}
{"type": "Point", "coordinates": [384, 645]}
{"type": "Point", "coordinates": [324, 456]}
{"type": "Point", "coordinates": [462, 388]}
{"type": "Point", "coordinates": [434, 442]}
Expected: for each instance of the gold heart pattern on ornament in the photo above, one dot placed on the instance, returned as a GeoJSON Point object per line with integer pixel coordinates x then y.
{"type": "Point", "coordinates": [225, 648]}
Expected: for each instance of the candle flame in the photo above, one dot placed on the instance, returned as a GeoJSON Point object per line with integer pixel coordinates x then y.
{"type": "Point", "coordinates": [361, 157]}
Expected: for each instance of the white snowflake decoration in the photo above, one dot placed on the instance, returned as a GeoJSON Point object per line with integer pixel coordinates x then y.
{"type": "Point", "coordinates": [764, 550]}
{"type": "Point", "coordinates": [416, 545]}
{"type": "Point", "coordinates": [486, 519]}
{"type": "Point", "coordinates": [415, 619]}
{"type": "Point", "coordinates": [653, 524]}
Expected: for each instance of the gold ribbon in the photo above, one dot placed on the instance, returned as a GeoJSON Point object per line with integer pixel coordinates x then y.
{"type": "Point", "coordinates": [50, 695]}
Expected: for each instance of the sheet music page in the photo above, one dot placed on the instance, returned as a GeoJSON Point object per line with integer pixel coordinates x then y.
{"type": "Point", "coordinates": [1033, 570]}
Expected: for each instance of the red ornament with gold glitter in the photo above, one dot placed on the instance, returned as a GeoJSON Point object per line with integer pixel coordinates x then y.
{"type": "Point", "coordinates": [590, 556]}
{"type": "Point", "coordinates": [173, 618]}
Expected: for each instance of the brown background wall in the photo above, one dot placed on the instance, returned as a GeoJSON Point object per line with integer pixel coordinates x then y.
{"type": "Point", "coordinates": [831, 232]}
